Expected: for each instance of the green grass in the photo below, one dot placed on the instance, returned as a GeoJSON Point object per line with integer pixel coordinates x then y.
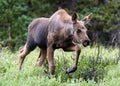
{"type": "Point", "coordinates": [93, 69]}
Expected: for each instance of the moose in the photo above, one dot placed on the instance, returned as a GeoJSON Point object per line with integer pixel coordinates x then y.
{"type": "Point", "coordinates": [61, 30]}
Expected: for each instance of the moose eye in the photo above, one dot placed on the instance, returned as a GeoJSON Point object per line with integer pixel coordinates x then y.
{"type": "Point", "coordinates": [78, 31]}
{"type": "Point", "coordinates": [82, 27]}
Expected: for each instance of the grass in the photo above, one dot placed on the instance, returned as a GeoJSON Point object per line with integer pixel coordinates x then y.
{"type": "Point", "coordinates": [93, 69]}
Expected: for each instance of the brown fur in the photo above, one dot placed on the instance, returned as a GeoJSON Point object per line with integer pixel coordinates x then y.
{"type": "Point", "coordinates": [59, 31]}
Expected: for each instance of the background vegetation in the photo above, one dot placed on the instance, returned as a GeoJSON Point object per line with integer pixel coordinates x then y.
{"type": "Point", "coordinates": [94, 69]}
{"type": "Point", "coordinates": [16, 15]}
{"type": "Point", "coordinates": [99, 63]}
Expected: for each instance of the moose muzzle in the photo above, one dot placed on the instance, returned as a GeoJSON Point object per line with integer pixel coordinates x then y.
{"type": "Point", "coordinates": [86, 43]}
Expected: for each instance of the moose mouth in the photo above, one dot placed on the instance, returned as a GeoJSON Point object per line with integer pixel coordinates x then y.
{"type": "Point", "coordinates": [75, 41]}
{"type": "Point", "coordinates": [86, 43]}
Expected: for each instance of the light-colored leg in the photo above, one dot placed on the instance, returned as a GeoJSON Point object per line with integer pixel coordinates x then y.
{"type": "Point", "coordinates": [22, 55]}
{"type": "Point", "coordinates": [41, 57]}
{"type": "Point", "coordinates": [51, 62]}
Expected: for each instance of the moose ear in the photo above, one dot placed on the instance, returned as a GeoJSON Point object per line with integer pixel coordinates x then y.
{"type": "Point", "coordinates": [87, 19]}
{"type": "Point", "coordinates": [74, 17]}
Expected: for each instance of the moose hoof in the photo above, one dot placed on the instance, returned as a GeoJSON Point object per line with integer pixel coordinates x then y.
{"type": "Point", "coordinates": [37, 64]}
{"type": "Point", "coordinates": [52, 76]}
{"type": "Point", "coordinates": [67, 71]}
{"type": "Point", "coordinates": [70, 70]}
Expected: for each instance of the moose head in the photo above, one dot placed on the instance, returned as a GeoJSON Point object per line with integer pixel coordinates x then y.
{"type": "Point", "coordinates": [80, 31]}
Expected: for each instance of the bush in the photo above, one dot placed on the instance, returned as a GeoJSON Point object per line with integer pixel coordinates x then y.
{"type": "Point", "coordinates": [93, 68]}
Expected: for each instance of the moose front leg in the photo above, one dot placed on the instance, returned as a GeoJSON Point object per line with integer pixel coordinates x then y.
{"type": "Point", "coordinates": [78, 50]}
{"type": "Point", "coordinates": [50, 58]}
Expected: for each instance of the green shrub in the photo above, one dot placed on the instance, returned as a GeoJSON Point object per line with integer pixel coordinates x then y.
{"type": "Point", "coordinates": [93, 68]}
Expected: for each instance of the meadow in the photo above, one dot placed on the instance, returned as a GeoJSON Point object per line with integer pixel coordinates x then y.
{"type": "Point", "coordinates": [98, 66]}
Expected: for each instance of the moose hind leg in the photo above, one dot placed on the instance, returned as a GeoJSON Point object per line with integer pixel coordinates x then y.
{"type": "Point", "coordinates": [41, 57]}
{"type": "Point", "coordinates": [22, 55]}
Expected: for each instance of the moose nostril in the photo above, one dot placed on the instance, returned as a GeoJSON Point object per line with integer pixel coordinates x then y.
{"type": "Point", "coordinates": [86, 42]}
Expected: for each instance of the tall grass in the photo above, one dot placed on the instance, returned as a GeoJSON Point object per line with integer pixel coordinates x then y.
{"type": "Point", "coordinates": [94, 68]}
